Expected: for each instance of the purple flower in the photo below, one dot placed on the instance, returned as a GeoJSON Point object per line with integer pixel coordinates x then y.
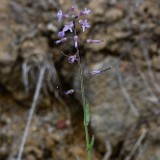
{"type": "Point", "coordinates": [61, 34]}
{"type": "Point", "coordinates": [72, 59]}
{"type": "Point", "coordinates": [95, 72]}
{"type": "Point", "coordinates": [84, 24]}
{"type": "Point", "coordinates": [60, 15]}
{"type": "Point", "coordinates": [71, 91]}
{"type": "Point", "coordinates": [93, 41]}
{"type": "Point", "coordinates": [61, 40]}
{"type": "Point", "coordinates": [72, 9]}
{"type": "Point", "coordinates": [76, 41]}
{"type": "Point", "coordinates": [86, 11]}
{"type": "Point", "coordinates": [99, 71]}
{"type": "Point", "coordinates": [68, 27]}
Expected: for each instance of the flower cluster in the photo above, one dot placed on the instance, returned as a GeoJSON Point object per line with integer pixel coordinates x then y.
{"type": "Point", "coordinates": [74, 20]}
{"type": "Point", "coordinates": [73, 16]}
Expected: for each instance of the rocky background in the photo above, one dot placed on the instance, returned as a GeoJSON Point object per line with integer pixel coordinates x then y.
{"type": "Point", "coordinates": [125, 101]}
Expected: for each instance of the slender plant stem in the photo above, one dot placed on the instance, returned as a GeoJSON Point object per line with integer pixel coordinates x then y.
{"type": "Point", "coordinates": [84, 105]}
{"type": "Point", "coordinates": [83, 99]}
{"type": "Point", "coordinates": [33, 106]}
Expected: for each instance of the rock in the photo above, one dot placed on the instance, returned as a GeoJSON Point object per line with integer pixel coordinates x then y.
{"type": "Point", "coordinates": [35, 150]}
{"type": "Point", "coordinates": [99, 9]}
{"type": "Point", "coordinates": [156, 62]}
{"type": "Point", "coordinates": [66, 5]}
{"type": "Point", "coordinates": [137, 53]}
{"type": "Point", "coordinates": [113, 15]}
{"type": "Point", "coordinates": [142, 138]}
{"type": "Point", "coordinates": [149, 150]}
{"type": "Point", "coordinates": [153, 48]}
{"type": "Point", "coordinates": [117, 99]}
{"type": "Point", "coordinates": [150, 8]}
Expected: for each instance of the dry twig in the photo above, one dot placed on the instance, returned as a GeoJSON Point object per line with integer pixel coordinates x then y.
{"type": "Point", "coordinates": [109, 151]}
{"type": "Point", "coordinates": [149, 65]}
{"type": "Point", "coordinates": [31, 112]}
{"type": "Point", "coordinates": [137, 144]}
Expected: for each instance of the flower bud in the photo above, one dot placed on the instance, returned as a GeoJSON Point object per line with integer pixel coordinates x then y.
{"type": "Point", "coordinates": [93, 41]}
{"type": "Point", "coordinates": [59, 15]}
{"type": "Point", "coordinates": [72, 59]}
{"type": "Point", "coordinates": [72, 9]}
{"type": "Point", "coordinates": [61, 34]}
{"type": "Point", "coordinates": [76, 41]}
{"type": "Point", "coordinates": [71, 91]}
{"type": "Point", "coordinates": [61, 40]}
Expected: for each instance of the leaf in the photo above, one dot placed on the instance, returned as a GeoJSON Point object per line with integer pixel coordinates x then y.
{"type": "Point", "coordinates": [77, 158]}
{"type": "Point", "coordinates": [92, 142]}
{"type": "Point", "coordinates": [86, 114]}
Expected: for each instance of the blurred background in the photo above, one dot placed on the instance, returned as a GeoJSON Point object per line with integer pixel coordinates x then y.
{"type": "Point", "coordinates": [125, 101]}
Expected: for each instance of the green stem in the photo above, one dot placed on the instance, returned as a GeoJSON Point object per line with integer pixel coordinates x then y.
{"type": "Point", "coordinates": [83, 100]}
{"type": "Point", "coordinates": [84, 104]}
